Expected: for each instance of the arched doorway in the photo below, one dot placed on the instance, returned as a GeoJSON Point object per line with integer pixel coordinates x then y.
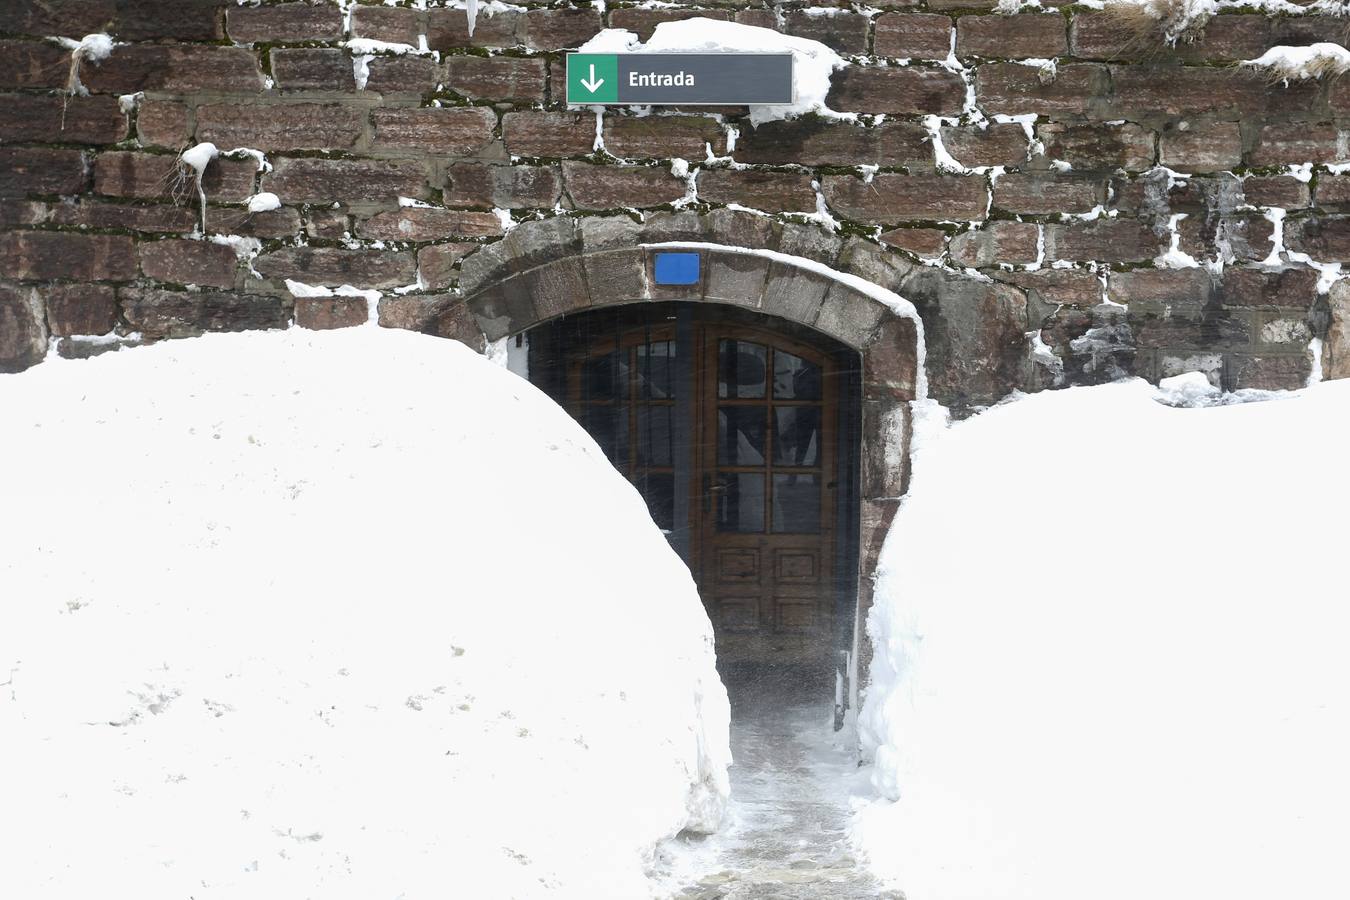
{"type": "Point", "coordinates": [741, 431]}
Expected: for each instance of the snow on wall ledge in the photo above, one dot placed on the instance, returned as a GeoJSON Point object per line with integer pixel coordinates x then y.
{"type": "Point", "coordinates": [298, 638]}
{"type": "Point", "coordinates": [1141, 690]}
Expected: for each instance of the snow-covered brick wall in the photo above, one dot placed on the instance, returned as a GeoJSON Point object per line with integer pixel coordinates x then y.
{"type": "Point", "coordinates": [1075, 192]}
{"type": "Point", "coordinates": [276, 621]}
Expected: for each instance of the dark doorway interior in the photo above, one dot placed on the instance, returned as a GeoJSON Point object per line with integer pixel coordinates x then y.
{"type": "Point", "coordinates": [741, 431]}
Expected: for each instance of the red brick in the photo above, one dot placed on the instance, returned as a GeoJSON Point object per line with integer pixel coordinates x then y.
{"type": "Point", "coordinates": [815, 143]}
{"type": "Point", "coordinates": [422, 224]}
{"type": "Point", "coordinates": [449, 131]}
{"type": "Point", "coordinates": [157, 313]}
{"type": "Point", "coordinates": [899, 198]}
{"type": "Point", "coordinates": [757, 189]}
{"type": "Point", "coordinates": [919, 241]}
{"type": "Point", "coordinates": [663, 137]}
{"type": "Point", "coordinates": [175, 68]}
{"type": "Point", "coordinates": [335, 267]}
{"type": "Point", "coordinates": [157, 219]}
{"type": "Point", "coordinates": [913, 36]}
{"type": "Point", "coordinates": [43, 255]}
{"type": "Point", "coordinates": [79, 308]}
{"type": "Point", "coordinates": [1015, 89]}
{"type": "Point", "coordinates": [507, 187]}
{"type": "Point", "coordinates": [560, 29]}
{"type": "Point", "coordinates": [383, 23]}
{"type": "Point", "coordinates": [1033, 35]}
{"type": "Point", "coordinates": [61, 120]}
{"type": "Point", "coordinates": [497, 78]}
{"type": "Point", "coordinates": [162, 123]}
{"type": "Point", "coordinates": [613, 187]}
{"type": "Point", "coordinates": [1128, 146]}
{"type": "Point", "coordinates": [643, 22]}
{"type": "Point", "coordinates": [323, 313]}
{"type": "Point", "coordinates": [436, 264]}
{"type": "Point", "coordinates": [897, 90]}
{"type": "Point", "coordinates": [549, 133]}
{"type": "Point", "coordinates": [994, 145]}
{"type": "Point", "coordinates": [33, 64]}
{"type": "Point", "coordinates": [447, 29]}
{"type": "Point", "coordinates": [1104, 240]}
{"type": "Point", "coordinates": [840, 30]}
{"type": "Point", "coordinates": [1207, 147]}
{"type": "Point", "coordinates": [401, 75]}
{"type": "Point", "coordinates": [295, 126]}
{"type": "Point", "coordinates": [1046, 194]}
{"type": "Point", "coordinates": [41, 170]}
{"type": "Point", "coordinates": [1296, 142]}
{"type": "Point", "coordinates": [326, 180]}
{"type": "Point", "coordinates": [150, 176]}
{"type": "Point", "coordinates": [312, 69]}
{"type": "Point", "coordinates": [189, 262]}
{"type": "Point", "coordinates": [286, 23]}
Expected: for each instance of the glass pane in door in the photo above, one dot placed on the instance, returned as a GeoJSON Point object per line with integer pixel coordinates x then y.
{"type": "Point", "coordinates": [796, 435]}
{"type": "Point", "coordinates": [740, 502]}
{"type": "Point", "coordinates": [740, 435]}
{"type": "Point", "coordinates": [742, 370]}
{"type": "Point", "coordinates": [796, 503]}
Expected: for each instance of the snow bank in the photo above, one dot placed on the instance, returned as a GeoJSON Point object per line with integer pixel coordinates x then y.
{"type": "Point", "coordinates": [1141, 688]}
{"type": "Point", "coordinates": [1303, 63]}
{"type": "Point", "coordinates": [346, 614]}
{"type": "Point", "coordinates": [812, 61]}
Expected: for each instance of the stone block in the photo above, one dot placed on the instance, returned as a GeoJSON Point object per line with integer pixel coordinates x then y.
{"type": "Point", "coordinates": [1168, 91]}
{"type": "Point", "coordinates": [890, 362]}
{"type": "Point", "coordinates": [33, 64]}
{"type": "Point", "coordinates": [1294, 287]}
{"type": "Point", "coordinates": [448, 29]}
{"type": "Point", "coordinates": [153, 176]}
{"type": "Point", "coordinates": [449, 131]}
{"type": "Point", "coordinates": [560, 29]}
{"type": "Point", "coordinates": [614, 187]}
{"type": "Point", "coordinates": [810, 241]}
{"type": "Point", "coordinates": [814, 142]}
{"type": "Point", "coordinates": [794, 293]}
{"type": "Point", "coordinates": [157, 219]}
{"type": "Point", "coordinates": [849, 315]}
{"type": "Point", "coordinates": [79, 308]}
{"type": "Point", "coordinates": [1103, 240]}
{"type": "Point", "coordinates": [270, 225]}
{"type": "Point", "coordinates": [844, 32]}
{"type": "Point", "coordinates": [1293, 143]}
{"type": "Point", "coordinates": [436, 264]}
{"type": "Point", "coordinates": [1045, 194]}
{"type": "Point", "coordinates": [999, 144]}
{"type": "Point", "coordinates": [393, 25]}
{"type": "Point", "coordinates": [758, 189]}
{"type": "Point", "coordinates": [913, 36]}
{"type": "Point", "coordinates": [40, 19]}
{"type": "Point", "coordinates": [875, 264]}
{"type": "Point", "coordinates": [1268, 372]}
{"type": "Point", "coordinates": [1031, 35]}
{"type": "Point", "coordinates": [927, 242]}
{"type": "Point", "coordinates": [184, 20]}
{"type": "Point", "coordinates": [23, 333]}
{"type": "Point", "coordinates": [423, 224]}
{"type": "Point", "coordinates": [43, 255]}
{"type": "Point", "coordinates": [455, 320]}
{"type": "Point", "coordinates": [64, 120]}
{"type": "Point", "coordinates": [737, 228]}
{"type": "Point", "coordinates": [1202, 147]}
{"type": "Point", "coordinates": [498, 78]}
{"type": "Point", "coordinates": [996, 242]}
{"type": "Point", "coordinates": [1283, 191]}
{"type": "Point", "coordinates": [162, 123]}
{"type": "Point", "coordinates": [898, 198]}
{"type": "Point", "coordinates": [159, 313]}
{"type": "Point", "coordinates": [41, 170]}
{"type": "Point", "coordinates": [616, 276]}
{"type": "Point", "coordinates": [312, 69]}
{"type": "Point", "coordinates": [327, 180]}
{"type": "Point", "coordinates": [402, 75]}
{"type": "Point", "coordinates": [1164, 292]}
{"type": "Point", "coordinates": [294, 126]}
{"type": "Point", "coordinates": [326, 313]}
{"type": "Point", "coordinates": [1336, 346]}
{"type": "Point", "coordinates": [663, 137]}
{"type": "Point", "coordinates": [175, 69]}
{"type": "Point", "coordinates": [189, 262]}
{"type": "Point", "coordinates": [549, 134]}
{"type": "Point", "coordinates": [334, 267]}
{"type": "Point", "coordinates": [504, 187]}
{"type": "Point", "coordinates": [286, 23]}
{"type": "Point", "coordinates": [643, 21]}
{"type": "Point", "coordinates": [409, 313]}
{"type": "Point", "coordinates": [900, 90]}
{"type": "Point", "coordinates": [1015, 89]}
{"type": "Point", "coordinates": [1324, 238]}
{"type": "Point", "coordinates": [1058, 287]}
{"type": "Point", "coordinates": [1127, 146]}
{"type": "Point", "coordinates": [736, 278]}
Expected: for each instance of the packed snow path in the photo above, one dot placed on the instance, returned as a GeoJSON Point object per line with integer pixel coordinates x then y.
{"type": "Point", "coordinates": [790, 788]}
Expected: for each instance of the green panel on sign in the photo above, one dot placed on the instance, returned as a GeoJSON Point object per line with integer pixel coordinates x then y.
{"type": "Point", "coordinates": [592, 78]}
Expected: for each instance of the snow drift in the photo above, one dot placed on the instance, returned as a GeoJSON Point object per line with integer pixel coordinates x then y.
{"type": "Point", "coordinates": [1110, 653]}
{"type": "Point", "coordinates": [351, 614]}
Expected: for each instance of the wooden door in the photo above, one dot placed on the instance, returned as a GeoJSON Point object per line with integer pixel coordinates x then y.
{"type": "Point", "coordinates": [729, 433]}
{"type": "Point", "coordinates": [767, 479]}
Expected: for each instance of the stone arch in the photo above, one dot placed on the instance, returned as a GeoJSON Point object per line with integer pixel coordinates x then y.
{"type": "Point", "coordinates": [550, 268]}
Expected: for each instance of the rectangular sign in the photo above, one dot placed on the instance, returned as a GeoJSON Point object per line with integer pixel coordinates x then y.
{"type": "Point", "coordinates": [720, 79]}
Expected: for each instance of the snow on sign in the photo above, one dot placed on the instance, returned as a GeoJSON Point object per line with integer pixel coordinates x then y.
{"type": "Point", "coordinates": [679, 78]}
